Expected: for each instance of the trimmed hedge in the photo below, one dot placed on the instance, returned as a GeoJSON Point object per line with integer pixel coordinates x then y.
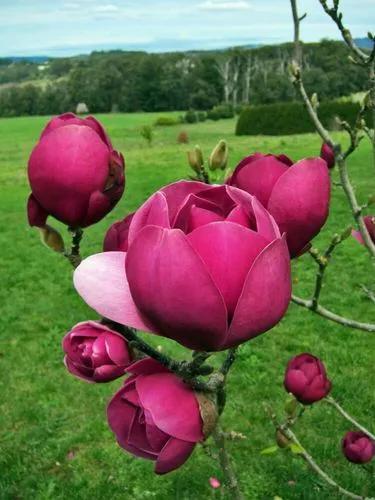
{"type": "Point", "coordinates": [292, 118]}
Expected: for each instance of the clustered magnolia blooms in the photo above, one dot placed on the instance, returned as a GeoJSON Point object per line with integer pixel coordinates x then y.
{"type": "Point", "coordinates": [205, 265]}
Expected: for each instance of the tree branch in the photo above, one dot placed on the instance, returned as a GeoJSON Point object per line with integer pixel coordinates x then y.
{"type": "Point", "coordinates": [336, 16]}
{"type": "Point", "coordinates": [331, 401]}
{"type": "Point", "coordinates": [226, 465]}
{"type": "Point", "coordinates": [315, 467]}
{"type": "Point", "coordinates": [322, 311]}
{"type": "Point", "coordinates": [74, 256]}
{"type": "Point", "coordinates": [340, 156]}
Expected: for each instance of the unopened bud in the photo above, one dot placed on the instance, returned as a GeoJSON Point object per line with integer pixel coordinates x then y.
{"type": "Point", "coordinates": [371, 200]}
{"type": "Point", "coordinates": [315, 100]}
{"type": "Point", "coordinates": [219, 156]}
{"type": "Point", "coordinates": [195, 159]}
{"type": "Point", "coordinates": [281, 440]}
{"type": "Point", "coordinates": [208, 413]}
{"type": "Point", "coordinates": [52, 238]}
{"type": "Point", "coordinates": [346, 233]}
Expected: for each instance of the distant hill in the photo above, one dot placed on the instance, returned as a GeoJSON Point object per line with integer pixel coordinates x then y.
{"type": "Point", "coordinates": [131, 81]}
{"type": "Point", "coordinates": [31, 59]}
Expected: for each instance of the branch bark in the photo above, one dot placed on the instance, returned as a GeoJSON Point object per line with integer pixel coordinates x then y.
{"type": "Point", "coordinates": [326, 313]}
{"type": "Point", "coordinates": [231, 481]}
{"type": "Point", "coordinates": [331, 401]}
{"type": "Point", "coordinates": [316, 468]}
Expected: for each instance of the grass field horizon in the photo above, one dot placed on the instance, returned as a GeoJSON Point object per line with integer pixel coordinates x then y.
{"type": "Point", "coordinates": [54, 439]}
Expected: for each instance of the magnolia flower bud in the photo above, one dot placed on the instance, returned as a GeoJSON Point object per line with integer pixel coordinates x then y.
{"type": "Point", "coordinates": [219, 156]}
{"type": "Point", "coordinates": [195, 159]}
{"type": "Point", "coordinates": [357, 447]}
{"type": "Point", "coordinates": [51, 238]}
{"type": "Point", "coordinates": [156, 415]}
{"type": "Point", "coordinates": [281, 440]}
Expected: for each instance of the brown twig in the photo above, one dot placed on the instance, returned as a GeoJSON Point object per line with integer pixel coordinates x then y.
{"type": "Point", "coordinates": [74, 255]}
{"type": "Point", "coordinates": [326, 313]}
{"type": "Point", "coordinates": [231, 481]}
{"type": "Point", "coordinates": [331, 401]}
{"type": "Point", "coordinates": [336, 16]}
{"type": "Point", "coordinates": [291, 438]}
{"type": "Point", "coordinates": [289, 434]}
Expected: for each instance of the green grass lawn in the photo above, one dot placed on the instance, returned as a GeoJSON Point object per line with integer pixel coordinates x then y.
{"type": "Point", "coordinates": [54, 439]}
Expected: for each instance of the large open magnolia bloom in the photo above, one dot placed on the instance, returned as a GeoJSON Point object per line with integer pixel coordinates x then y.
{"type": "Point", "coordinates": [75, 174]}
{"type": "Point", "coordinates": [297, 196]}
{"type": "Point", "coordinates": [205, 266]}
{"type": "Point", "coordinates": [156, 416]}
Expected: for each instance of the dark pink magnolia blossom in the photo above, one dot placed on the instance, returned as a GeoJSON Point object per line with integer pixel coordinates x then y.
{"type": "Point", "coordinates": [75, 174]}
{"type": "Point", "coordinates": [358, 447]}
{"type": "Point", "coordinates": [156, 416]}
{"type": "Point", "coordinates": [328, 155]}
{"type": "Point", "coordinates": [306, 379]}
{"type": "Point", "coordinates": [95, 353]}
{"type": "Point", "coordinates": [205, 266]}
{"type": "Point", "coordinates": [370, 225]}
{"type": "Point", "coordinates": [116, 238]}
{"type": "Point", "coordinates": [297, 196]}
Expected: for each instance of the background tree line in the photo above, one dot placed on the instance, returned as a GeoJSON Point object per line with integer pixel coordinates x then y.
{"type": "Point", "coordinates": [138, 81]}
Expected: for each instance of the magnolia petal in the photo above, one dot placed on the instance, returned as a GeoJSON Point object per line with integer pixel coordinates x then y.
{"type": "Point", "coordinates": [174, 290]}
{"type": "Point", "coordinates": [300, 202]}
{"type": "Point", "coordinates": [101, 281]}
{"type": "Point", "coordinates": [265, 296]}
{"type": "Point", "coordinates": [228, 250]}
{"type": "Point", "coordinates": [173, 455]}
{"type": "Point", "coordinates": [154, 211]}
{"type": "Point", "coordinates": [172, 404]}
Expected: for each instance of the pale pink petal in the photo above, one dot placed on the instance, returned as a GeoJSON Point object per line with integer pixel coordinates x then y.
{"type": "Point", "coordinates": [101, 281]}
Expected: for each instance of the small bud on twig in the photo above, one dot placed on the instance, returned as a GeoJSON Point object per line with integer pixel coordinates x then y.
{"type": "Point", "coordinates": [52, 238]}
{"type": "Point", "coordinates": [219, 156]}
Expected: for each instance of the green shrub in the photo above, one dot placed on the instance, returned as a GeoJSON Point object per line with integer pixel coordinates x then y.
{"type": "Point", "coordinates": [165, 121]}
{"type": "Point", "coordinates": [292, 118]}
{"type": "Point", "coordinates": [212, 114]}
{"type": "Point", "coordinates": [191, 116]}
{"type": "Point", "coordinates": [220, 111]}
{"type": "Point", "coordinates": [202, 116]}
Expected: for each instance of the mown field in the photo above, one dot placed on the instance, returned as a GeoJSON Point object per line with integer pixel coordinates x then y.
{"type": "Point", "coordinates": [54, 440]}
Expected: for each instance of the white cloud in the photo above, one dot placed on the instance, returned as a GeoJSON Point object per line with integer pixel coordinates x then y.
{"type": "Point", "coordinates": [223, 5]}
{"type": "Point", "coordinates": [105, 9]}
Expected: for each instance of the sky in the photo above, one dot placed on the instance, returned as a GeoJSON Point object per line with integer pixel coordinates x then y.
{"type": "Point", "coordinates": [71, 27]}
